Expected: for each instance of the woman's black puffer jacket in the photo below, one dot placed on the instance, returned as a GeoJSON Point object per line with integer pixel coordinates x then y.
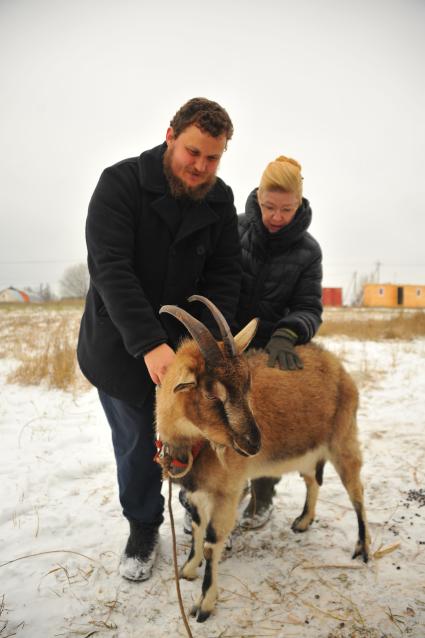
{"type": "Point", "coordinates": [282, 275]}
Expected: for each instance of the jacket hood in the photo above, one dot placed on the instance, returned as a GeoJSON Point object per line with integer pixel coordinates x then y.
{"type": "Point", "coordinates": [152, 177]}
{"type": "Point", "coordinates": [289, 234]}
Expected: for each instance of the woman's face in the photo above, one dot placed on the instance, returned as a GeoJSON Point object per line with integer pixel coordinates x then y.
{"type": "Point", "coordinates": [277, 209]}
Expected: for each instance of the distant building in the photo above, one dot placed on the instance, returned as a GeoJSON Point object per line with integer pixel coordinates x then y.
{"type": "Point", "coordinates": [393, 296]}
{"type": "Point", "coordinates": [414, 296]}
{"type": "Point", "coordinates": [332, 296]}
{"type": "Point", "coordinates": [14, 295]}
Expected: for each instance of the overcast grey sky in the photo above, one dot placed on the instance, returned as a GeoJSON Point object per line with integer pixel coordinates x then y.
{"type": "Point", "coordinates": [336, 84]}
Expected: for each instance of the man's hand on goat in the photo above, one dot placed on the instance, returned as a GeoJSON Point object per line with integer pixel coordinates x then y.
{"type": "Point", "coordinates": [281, 350]}
{"type": "Point", "coordinates": [157, 362]}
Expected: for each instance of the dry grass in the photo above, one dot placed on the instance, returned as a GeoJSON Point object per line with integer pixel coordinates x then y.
{"type": "Point", "coordinates": [5, 632]}
{"type": "Point", "coordinates": [3, 623]}
{"type": "Point", "coordinates": [53, 363]}
{"type": "Point", "coordinates": [367, 327]}
{"type": "Point", "coordinates": [41, 338]}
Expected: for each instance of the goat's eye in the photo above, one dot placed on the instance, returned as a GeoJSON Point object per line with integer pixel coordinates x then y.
{"type": "Point", "coordinates": [210, 397]}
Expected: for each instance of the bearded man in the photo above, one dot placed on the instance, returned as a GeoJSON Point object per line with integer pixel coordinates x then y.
{"type": "Point", "coordinates": [160, 227]}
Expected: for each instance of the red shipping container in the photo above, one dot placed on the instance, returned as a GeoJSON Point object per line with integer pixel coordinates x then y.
{"type": "Point", "coordinates": [332, 296]}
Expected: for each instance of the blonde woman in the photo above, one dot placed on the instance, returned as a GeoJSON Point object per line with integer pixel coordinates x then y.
{"type": "Point", "coordinates": [281, 284]}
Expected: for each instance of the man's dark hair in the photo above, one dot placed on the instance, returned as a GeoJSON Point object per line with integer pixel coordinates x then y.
{"type": "Point", "coordinates": [209, 116]}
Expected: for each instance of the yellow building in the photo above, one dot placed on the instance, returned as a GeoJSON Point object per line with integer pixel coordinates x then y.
{"type": "Point", "coordinates": [393, 296]}
{"type": "Point", "coordinates": [414, 296]}
{"type": "Point", "coordinates": [380, 295]}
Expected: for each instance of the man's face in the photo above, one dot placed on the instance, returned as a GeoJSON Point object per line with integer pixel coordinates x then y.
{"type": "Point", "coordinates": [191, 161]}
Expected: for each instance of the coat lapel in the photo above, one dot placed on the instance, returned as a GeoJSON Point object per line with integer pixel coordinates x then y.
{"type": "Point", "coordinates": [194, 218]}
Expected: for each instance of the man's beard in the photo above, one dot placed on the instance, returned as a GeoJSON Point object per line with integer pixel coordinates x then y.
{"type": "Point", "coordinates": [178, 187]}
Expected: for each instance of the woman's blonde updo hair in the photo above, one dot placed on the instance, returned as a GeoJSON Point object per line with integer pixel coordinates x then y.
{"type": "Point", "coordinates": [283, 174]}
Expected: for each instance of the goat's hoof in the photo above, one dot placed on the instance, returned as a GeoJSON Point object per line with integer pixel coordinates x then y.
{"type": "Point", "coordinates": [361, 551]}
{"type": "Point", "coordinates": [202, 616]}
{"type": "Point", "coordinates": [199, 614]}
{"type": "Point", "coordinates": [189, 577]}
{"type": "Point", "coordinates": [299, 526]}
{"type": "Point", "coordinates": [187, 574]}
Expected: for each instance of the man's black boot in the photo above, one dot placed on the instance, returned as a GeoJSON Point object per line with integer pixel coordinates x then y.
{"type": "Point", "coordinates": [140, 552]}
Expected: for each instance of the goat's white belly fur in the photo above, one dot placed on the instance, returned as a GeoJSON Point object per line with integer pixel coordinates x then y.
{"type": "Point", "coordinates": [304, 464]}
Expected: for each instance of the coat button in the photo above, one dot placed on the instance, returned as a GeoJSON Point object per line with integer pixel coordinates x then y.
{"type": "Point", "coordinates": [200, 250]}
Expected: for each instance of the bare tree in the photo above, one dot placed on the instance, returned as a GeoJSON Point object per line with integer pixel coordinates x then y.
{"type": "Point", "coordinates": [44, 292]}
{"type": "Point", "coordinates": [75, 281]}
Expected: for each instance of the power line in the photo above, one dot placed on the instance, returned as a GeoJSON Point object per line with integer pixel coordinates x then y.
{"type": "Point", "coordinates": [384, 264]}
{"type": "Point", "coordinates": [347, 264]}
{"type": "Point", "coordinates": [40, 261]}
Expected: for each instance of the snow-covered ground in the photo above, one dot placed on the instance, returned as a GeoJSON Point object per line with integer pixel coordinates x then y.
{"type": "Point", "coordinates": [61, 529]}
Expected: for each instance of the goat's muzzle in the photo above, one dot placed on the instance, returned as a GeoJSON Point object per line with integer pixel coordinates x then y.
{"type": "Point", "coordinates": [248, 442]}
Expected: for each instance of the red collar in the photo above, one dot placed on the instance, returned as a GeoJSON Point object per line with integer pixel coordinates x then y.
{"type": "Point", "coordinates": [161, 451]}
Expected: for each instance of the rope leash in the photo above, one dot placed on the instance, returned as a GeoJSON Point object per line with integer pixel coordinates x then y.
{"type": "Point", "coordinates": [176, 569]}
{"type": "Point", "coordinates": [163, 458]}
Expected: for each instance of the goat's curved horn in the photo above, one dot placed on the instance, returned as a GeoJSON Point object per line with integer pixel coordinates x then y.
{"type": "Point", "coordinates": [226, 335]}
{"type": "Point", "coordinates": [200, 333]}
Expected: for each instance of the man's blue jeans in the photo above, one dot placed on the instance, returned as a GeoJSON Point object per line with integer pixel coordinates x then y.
{"type": "Point", "coordinates": [139, 477]}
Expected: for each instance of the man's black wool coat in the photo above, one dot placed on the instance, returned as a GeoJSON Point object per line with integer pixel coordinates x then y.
{"type": "Point", "coordinates": [137, 263]}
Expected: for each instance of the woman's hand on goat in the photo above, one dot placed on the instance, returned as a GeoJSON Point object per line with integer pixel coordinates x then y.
{"type": "Point", "coordinates": [281, 350]}
{"type": "Point", "coordinates": [157, 362]}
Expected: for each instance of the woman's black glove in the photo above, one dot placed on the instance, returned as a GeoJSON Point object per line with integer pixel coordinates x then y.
{"type": "Point", "coordinates": [281, 349]}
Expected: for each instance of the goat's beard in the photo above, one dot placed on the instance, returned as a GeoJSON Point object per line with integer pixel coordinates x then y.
{"type": "Point", "coordinates": [177, 186]}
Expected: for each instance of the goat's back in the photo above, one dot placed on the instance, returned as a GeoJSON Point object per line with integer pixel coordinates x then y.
{"type": "Point", "coordinates": [298, 410]}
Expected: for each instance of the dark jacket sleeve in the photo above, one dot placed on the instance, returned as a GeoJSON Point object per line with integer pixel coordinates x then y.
{"type": "Point", "coordinates": [221, 279]}
{"type": "Point", "coordinates": [304, 308]}
{"type": "Point", "coordinates": [110, 235]}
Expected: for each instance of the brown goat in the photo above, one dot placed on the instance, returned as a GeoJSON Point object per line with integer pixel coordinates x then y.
{"type": "Point", "coordinates": [250, 421]}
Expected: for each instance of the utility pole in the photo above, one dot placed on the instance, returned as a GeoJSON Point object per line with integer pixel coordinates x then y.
{"type": "Point", "coordinates": [377, 271]}
{"type": "Point", "coordinates": [353, 290]}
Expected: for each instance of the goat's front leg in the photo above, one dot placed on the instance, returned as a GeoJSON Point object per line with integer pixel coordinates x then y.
{"type": "Point", "coordinates": [221, 524]}
{"type": "Point", "coordinates": [199, 525]}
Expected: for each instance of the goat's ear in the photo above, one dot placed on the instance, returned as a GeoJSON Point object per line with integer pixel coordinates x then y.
{"type": "Point", "coordinates": [186, 381]}
{"type": "Point", "coordinates": [246, 335]}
